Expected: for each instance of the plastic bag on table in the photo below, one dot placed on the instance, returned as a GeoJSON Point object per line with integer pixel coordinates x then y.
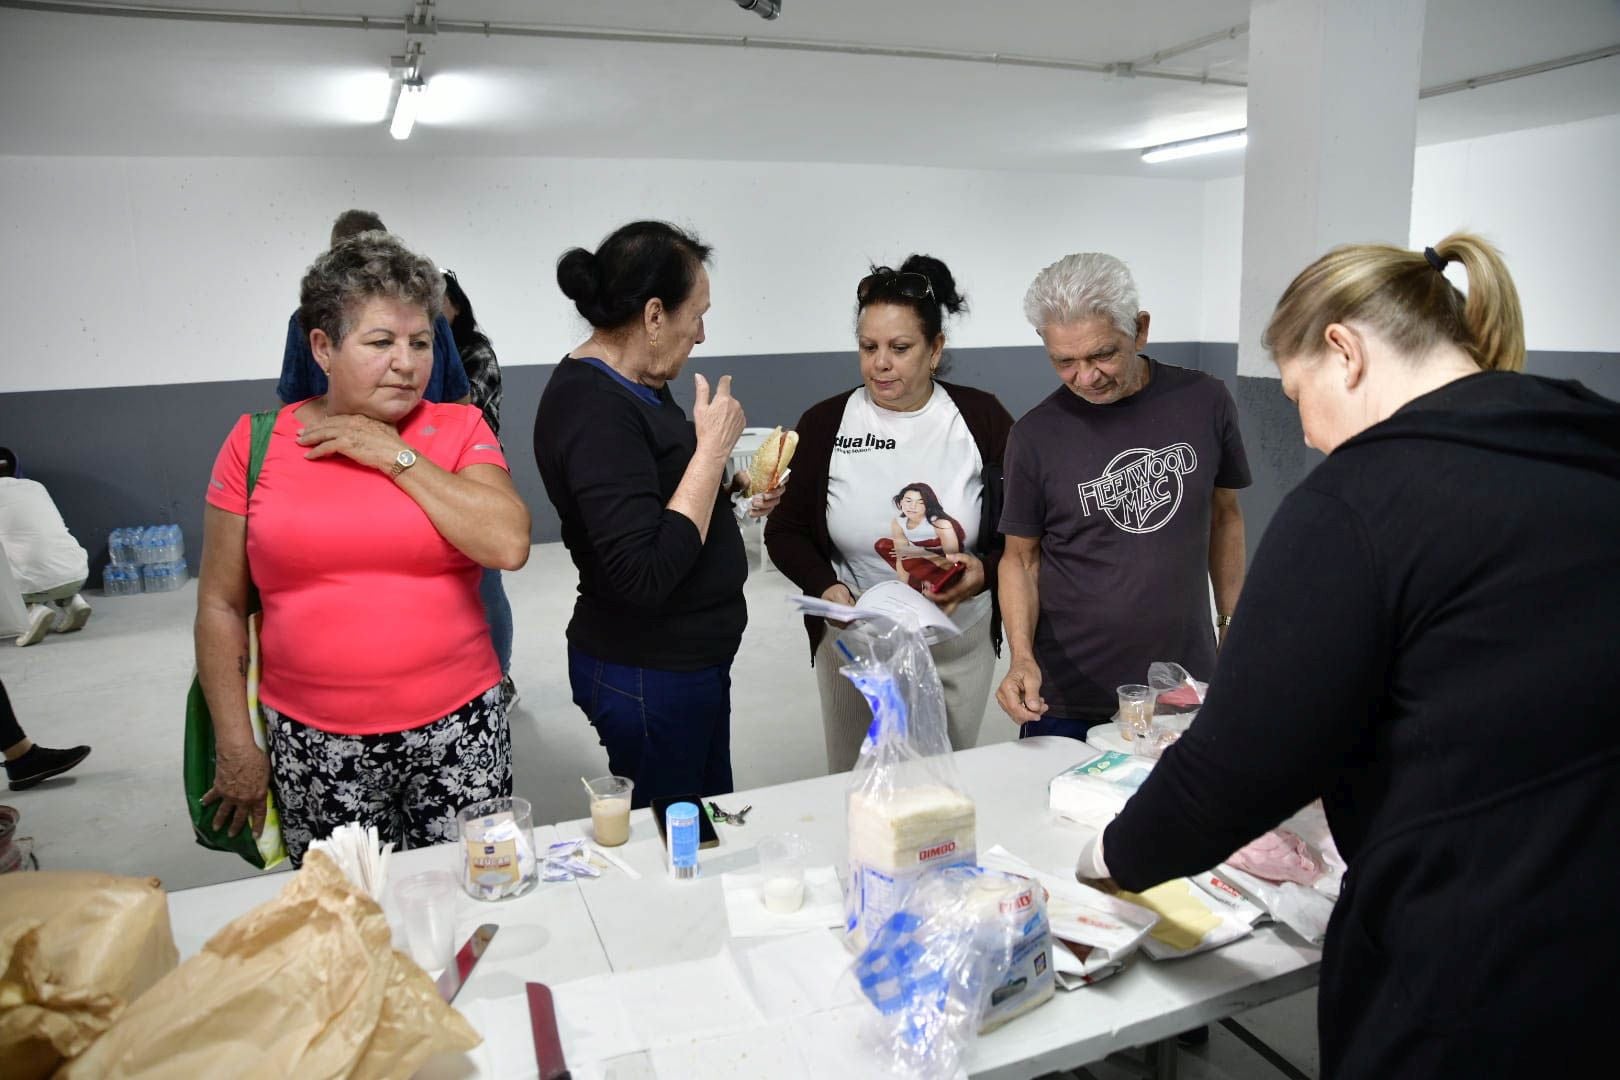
{"type": "Point", "coordinates": [1174, 688]}
{"type": "Point", "coordinates": [907, 810]}
{"type": "Point", "coordinates": [969, 950]}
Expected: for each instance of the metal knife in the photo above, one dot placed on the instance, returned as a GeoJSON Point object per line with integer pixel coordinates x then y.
{"type": "Point", "coordinates": [548, 1051]}
{"type": "Point", "coordinates": [450, 980]}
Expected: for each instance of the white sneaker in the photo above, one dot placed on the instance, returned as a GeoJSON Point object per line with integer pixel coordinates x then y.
{"type": "Point", "coordinates": [40, 618]}
{"type": "Point", "coordinates": [72, 615]}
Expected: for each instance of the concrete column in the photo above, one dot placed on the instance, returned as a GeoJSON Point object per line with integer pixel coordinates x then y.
{"type": "Point", "coordinates": [1333, 95]}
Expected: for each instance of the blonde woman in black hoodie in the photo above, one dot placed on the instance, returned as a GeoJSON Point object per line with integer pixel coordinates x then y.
{"type": "Point", "coordinates": [1424, 643]}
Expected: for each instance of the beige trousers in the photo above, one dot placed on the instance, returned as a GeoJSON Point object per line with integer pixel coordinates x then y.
{"type": "Point", "coordinates": [965, 664]}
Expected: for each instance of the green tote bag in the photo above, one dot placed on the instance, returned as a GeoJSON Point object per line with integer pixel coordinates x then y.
{"type": "Point", "coordinates": [267, 849]}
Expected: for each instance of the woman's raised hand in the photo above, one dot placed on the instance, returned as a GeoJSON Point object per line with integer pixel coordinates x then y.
{"type": "Point", "coordinates": [719, 420]}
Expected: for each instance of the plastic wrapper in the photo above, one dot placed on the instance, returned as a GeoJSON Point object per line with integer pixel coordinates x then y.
{"type": "Point", "coordinates": [76, 947]}
{"type": "Point", "coordinates": [305, 985]}
{"type": "Point", "coordinates": [969, 950]}
{"type": "Point", "coordinates": [907, 811]}
{"type": "Point", "coordinates": [1174, 689]}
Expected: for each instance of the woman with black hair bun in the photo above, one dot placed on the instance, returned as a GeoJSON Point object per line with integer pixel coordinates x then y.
{"type": "Point", "coordinates": [900, 478]}
{"type": "Point", "coordinates": [638, 488]}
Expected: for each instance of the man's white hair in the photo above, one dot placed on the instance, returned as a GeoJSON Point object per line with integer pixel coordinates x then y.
{"type": "Point", "coordinates": [1080, 286]}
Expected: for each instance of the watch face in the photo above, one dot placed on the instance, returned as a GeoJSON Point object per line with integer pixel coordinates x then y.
{"type": "Point", "coordinates": [406, 458]}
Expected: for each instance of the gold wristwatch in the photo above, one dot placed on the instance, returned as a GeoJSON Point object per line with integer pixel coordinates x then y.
{"type": "Point", "coordinates": [402, 461]}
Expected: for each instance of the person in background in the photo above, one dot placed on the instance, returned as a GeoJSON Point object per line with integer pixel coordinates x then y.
{"type": "Point", "coordinates": [638, 488]}
{"type": "Point", "coordinates": [899, 478]}
{"type": "Point", "coordinates": [26, 762]}
{"type": "Point", "coordinates": [1121, 511]}
{"type": "Point", "coordinates": [484, 377]}
{"type": "Point", "coordinates": [302, 377]}
{"type": "Point", "coordinates": [50, 566]}
{"type": "Point", "coordinates": [1423, 644]}
{"type": "Point", "coordinates": [373, 514]}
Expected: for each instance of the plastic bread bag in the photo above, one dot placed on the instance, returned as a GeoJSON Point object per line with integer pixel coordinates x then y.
{"type": "Point", "coordinates": [305, 985]}
{"type": "Point", "coordinates": [76, 947]}
{"type": "Point", "coordinates": [907, 810]}
{"type": "Point", "coordinates": [1174, 689]}
{"type": "Point", "coordinates": [969, 950]}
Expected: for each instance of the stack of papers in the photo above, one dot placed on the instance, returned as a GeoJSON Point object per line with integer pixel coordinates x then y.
{"type": "Point", "coordinates": [889, 600]}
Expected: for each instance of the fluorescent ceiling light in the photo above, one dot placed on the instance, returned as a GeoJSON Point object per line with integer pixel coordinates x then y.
{"type": "Point", "coordinates": [1207, 144]}
{"type": "Point", "coordinates": [405, 108]}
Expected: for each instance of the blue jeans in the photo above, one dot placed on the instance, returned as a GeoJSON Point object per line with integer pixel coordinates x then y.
{"type": "Point", "coordinates": [498, 613]}
{"type": "Point", "coordinates": [1058, 725]}
{"type": "Point", "coordinates": [669, 731]}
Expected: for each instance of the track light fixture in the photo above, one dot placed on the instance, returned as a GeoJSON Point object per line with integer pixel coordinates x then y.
{"type": "Point", "coordinates": [765, 9]}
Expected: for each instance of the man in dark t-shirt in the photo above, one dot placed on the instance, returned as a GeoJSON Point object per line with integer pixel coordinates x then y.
{"type": "Point", "coordinates": [1121, 508]}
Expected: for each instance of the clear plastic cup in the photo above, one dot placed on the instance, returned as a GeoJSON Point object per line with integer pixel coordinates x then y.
{"type": "Point", "coordinates": [498, 859]}
{"type": "Point", "coordinates": [1135, 710]}
{"type": "Point", "coordinates": [781, 865]}
{"type": "Point", "coordinates": [427, 907]}
{"type": "Point", "coordinates": [610, 809]}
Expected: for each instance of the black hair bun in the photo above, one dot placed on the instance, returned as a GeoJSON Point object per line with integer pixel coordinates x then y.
{"type": "Point", "coordinates": [580, 279]}
{"type": "Point", "coordinates": [939, 276]}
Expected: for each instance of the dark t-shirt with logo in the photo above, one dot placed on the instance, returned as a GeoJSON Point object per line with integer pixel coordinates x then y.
{"type": "Point", "coordinates": [1120, 496]}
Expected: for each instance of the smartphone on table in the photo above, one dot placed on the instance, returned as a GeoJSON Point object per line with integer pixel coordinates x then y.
{"type": "Point", "coordinates": [707, 837]}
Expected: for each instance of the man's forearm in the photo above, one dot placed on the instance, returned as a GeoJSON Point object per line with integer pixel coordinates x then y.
{"type": "Point", "coordinates": [1226, 559]}
{"type": "Point", "coordinates": [1020, 604]}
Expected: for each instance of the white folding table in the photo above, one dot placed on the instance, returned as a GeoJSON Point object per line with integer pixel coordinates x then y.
{"type": "Point", "coordinates": [615, 923]}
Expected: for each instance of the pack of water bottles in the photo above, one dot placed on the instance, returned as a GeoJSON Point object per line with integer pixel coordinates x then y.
{"type": "Point", "coordinates": [145, 558]}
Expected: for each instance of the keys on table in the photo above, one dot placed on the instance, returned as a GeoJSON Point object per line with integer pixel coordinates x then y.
{"type": "Point", "coordinates": [727, 816]}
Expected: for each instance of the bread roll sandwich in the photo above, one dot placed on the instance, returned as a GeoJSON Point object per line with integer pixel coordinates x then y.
{"type": "Point", "coordinates": [771, 460]}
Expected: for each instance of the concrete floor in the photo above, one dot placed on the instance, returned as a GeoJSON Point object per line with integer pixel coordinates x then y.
{"type": "Point", "coordinates": [120, 686]}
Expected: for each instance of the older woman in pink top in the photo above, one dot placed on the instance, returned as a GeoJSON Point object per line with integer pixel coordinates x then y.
{"type": "Point", "coordinates": [373, 515]}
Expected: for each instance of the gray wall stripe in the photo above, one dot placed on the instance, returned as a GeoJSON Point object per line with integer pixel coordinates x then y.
{"type": "Point", "coordinates": [141, 454]}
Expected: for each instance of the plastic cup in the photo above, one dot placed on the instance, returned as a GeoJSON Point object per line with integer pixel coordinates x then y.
{"type": "Point", "coordinates": [1135, 710]}
{"type": "Point", "coordinates": [610, 809]}
{"type": "Point", "coordinates": [427, 906]}
{"type": "Point", "coordinates": [497, 849]}
{"type": "Point", "coordinates": [781, 863]}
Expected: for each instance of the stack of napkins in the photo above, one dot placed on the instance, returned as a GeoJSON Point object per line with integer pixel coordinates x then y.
{"type": "Point", "coordinates": [746, 912]}
{"type": "Point", "coordinates": [1095, 791]}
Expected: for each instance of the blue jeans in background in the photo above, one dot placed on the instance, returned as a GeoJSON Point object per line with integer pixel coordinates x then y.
{"type": "Point", "coordinates": [669, 731]}
{"type": "Point", "coordinates": [498, 613]}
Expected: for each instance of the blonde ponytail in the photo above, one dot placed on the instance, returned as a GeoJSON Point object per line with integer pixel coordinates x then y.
{"type": "Point", "coordinates": [1493, 316]}
{"type": "Point", "coordinates": [1407, 300]}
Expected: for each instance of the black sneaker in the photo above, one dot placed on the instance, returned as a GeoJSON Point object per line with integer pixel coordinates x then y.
{"type": "Point", "coordinates": [42, 763]}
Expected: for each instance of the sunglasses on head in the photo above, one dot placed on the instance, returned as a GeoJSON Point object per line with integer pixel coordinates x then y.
{"type": "Point", "coordinates": [912, 286]}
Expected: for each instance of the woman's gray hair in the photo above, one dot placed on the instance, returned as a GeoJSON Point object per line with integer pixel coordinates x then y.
{"type": "Point", "coordinates": [1080, 286]}
{"type": "Point", "coordinates": [365, 267]}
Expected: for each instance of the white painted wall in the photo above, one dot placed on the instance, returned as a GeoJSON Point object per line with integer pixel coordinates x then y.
{"type": "Point", "coordinates": [1546, 197]}
{"type": "Point", "coordinates": [131, 271]}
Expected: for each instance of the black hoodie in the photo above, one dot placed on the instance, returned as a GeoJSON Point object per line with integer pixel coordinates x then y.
{"type": "Point", "coordinates": [1428, 642]}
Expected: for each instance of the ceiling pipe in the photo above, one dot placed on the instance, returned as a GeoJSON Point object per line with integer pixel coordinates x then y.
{"type": "Point", "coordinates": [578, 33]}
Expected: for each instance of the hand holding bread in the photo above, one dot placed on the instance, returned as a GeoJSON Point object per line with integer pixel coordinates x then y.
{"type": "Point", "coordinates": [769, 466]}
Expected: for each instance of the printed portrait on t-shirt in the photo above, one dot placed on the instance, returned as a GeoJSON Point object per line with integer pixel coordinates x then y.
{"type": "Point", "coordinates": [921, 538]}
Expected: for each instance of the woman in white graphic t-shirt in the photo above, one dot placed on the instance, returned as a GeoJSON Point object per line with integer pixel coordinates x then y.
{"type": "Point", "coordinates": [876, 468]}
{"type": "Point", "coordinates": [922, 539]}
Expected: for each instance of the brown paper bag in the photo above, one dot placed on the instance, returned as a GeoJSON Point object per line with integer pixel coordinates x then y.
{"type": "Point", "coordinates": [306, 985]}
{"type": "Point", "coordinates": [75, 948]}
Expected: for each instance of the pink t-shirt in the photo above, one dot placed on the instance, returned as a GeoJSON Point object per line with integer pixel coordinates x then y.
{"type": "Point", "coordinates": [372, 621]}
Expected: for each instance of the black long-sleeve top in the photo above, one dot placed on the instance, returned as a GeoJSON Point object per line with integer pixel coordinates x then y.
{"type": "Point", "coordinates": [1427, 641]}
{"type": "Point", "coordinates": [652, 592]}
